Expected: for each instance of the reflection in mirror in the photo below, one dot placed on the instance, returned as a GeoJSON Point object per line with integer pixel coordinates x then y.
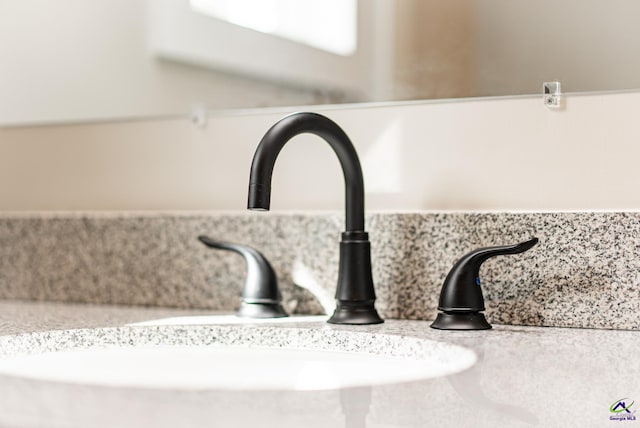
{"type": "Point", "coordinates": [73, 60]}
{"type": "Point", "coordinates": [301, 21]}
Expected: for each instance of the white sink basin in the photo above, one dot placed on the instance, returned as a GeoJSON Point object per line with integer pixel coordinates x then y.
{"type": "Point", "coordinates": [227, 358]}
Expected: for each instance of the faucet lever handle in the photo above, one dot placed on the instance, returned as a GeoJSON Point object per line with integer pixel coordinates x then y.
{"type": "Point", "coordinates": [260, 296]}
{"type": "Point", "coordinates": [472, 261]}
{"type": "Point", "coordinates": [461, 300]}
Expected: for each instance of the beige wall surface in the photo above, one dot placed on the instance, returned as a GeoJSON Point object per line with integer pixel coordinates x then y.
{"type": "Point", "coordinates": [71, 60]}
{"type": "Point", "coordinates": [433, 57]}
{"type": "Point", "coordinates": [462, 48]}
{"type": "Point", "coordinates": [585, 44]}
{"type": "Point", "coordinates": [495, 154]}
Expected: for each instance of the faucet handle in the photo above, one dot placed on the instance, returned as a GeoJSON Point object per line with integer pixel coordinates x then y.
{"type": "Point", "coordinates": [461, 300]}
{"type": "Point", "coordinates": [260, 297]}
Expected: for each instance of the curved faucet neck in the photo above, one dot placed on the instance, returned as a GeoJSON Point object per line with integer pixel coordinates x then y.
{"type": "Point", "coordinates": [283, 131]}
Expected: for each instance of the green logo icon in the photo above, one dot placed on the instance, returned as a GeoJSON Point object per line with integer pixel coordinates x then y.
{"type": "Point", "coordinates": [621, 405]}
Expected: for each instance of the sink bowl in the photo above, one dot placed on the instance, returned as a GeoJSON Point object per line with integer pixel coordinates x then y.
{"type": "Point", "coordinates": [227, 357]}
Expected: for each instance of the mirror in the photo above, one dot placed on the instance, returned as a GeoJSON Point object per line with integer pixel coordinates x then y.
{"type": "Point", "coordinates": [73, 60]}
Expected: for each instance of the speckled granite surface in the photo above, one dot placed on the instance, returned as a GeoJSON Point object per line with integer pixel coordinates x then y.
{"type": "Point", "coordinates": [522, 376]}
{"type": "Point", "coordinates": [585, 271]}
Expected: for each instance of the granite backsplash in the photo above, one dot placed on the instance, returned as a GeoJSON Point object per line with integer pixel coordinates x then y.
{"type": "Point", "coordinates": [585, 272]}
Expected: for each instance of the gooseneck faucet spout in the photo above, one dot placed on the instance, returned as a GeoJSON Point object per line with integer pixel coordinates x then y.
{"type": "Point", "coordinates": [287, 128]}
{"type": "Point", "coordinates": [355, 294]}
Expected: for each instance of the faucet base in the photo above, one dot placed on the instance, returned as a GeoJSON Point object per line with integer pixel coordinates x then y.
{"type": "Point", "coordinates": [355, 314]}
{"type": "Point", "coordinates": [461, 321]}
{"type": "Point", "coordinates": [354, 294]}
{"type": "Point", "coordinates": [261, 310]}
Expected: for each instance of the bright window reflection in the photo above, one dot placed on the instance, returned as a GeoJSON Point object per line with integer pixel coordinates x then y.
{"type": "Point", "coordinates": [330, 25]}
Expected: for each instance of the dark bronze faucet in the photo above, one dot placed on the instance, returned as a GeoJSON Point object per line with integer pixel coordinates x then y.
{"type": "Point", "coordinates": [355, 295]}
{"type": "Point", "coordinates": [261, 296]}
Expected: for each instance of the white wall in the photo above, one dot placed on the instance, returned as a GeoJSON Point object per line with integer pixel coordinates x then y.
{"type": "Point", "coordinates": [70, 60]}
{"type": "Point", "coordinates": [501, 153]}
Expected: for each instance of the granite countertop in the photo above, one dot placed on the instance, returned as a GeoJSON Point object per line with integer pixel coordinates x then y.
{"type": "Point", "coordinates": [523, 376]}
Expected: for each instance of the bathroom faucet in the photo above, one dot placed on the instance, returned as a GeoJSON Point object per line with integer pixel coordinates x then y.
{"type": "Point", "coordinates": [261, 297]}
{"type": "Point", "coordinates": [355, 295]}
